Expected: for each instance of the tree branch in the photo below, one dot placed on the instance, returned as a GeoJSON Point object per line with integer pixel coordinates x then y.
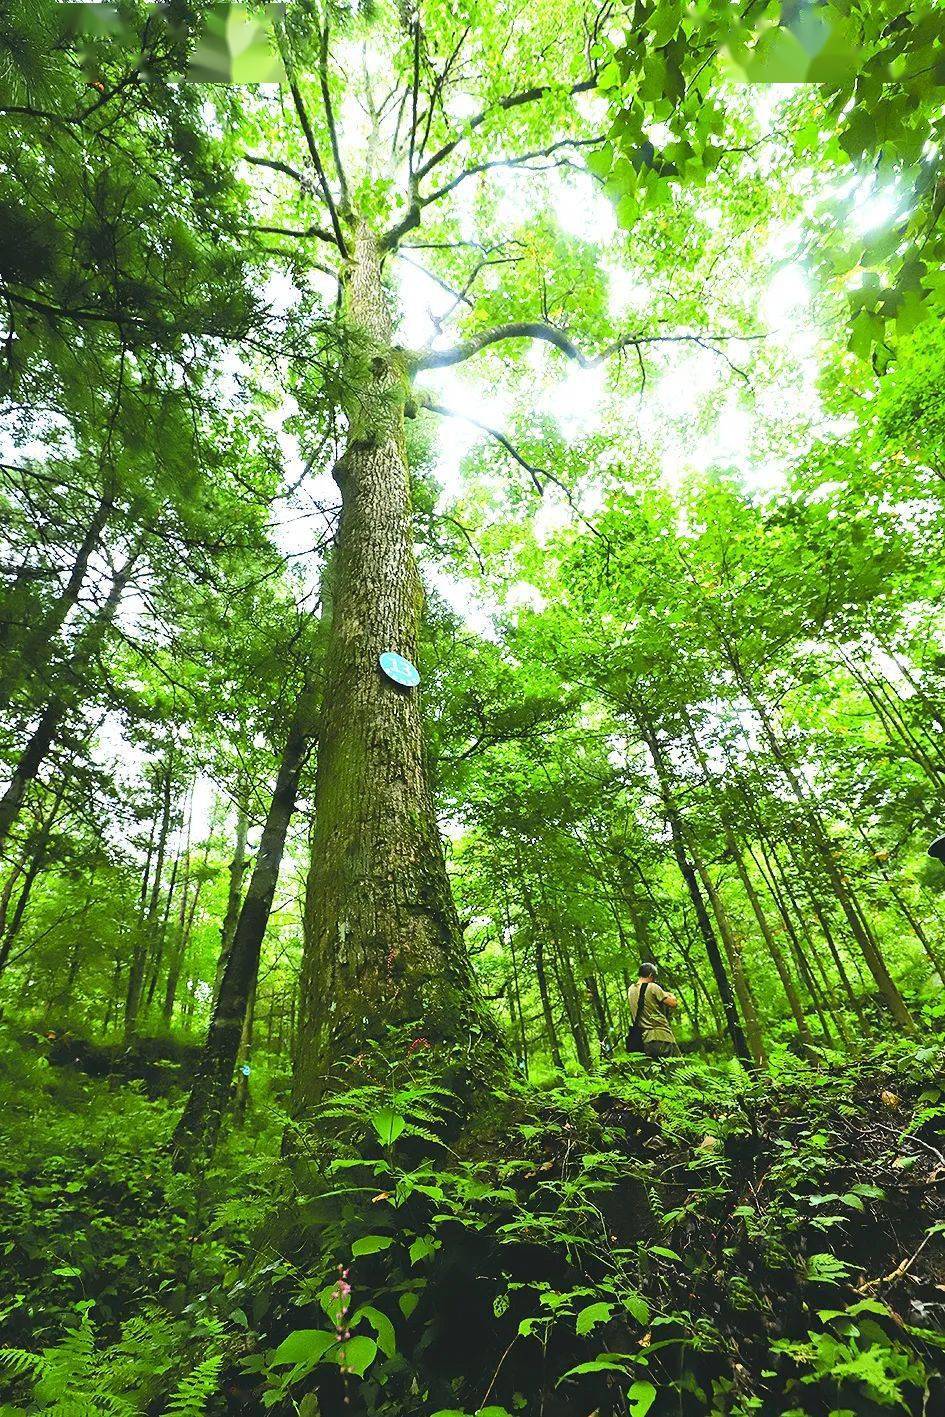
{"type": "Point", "coordinates": [519, 161]}
{"type": "Point", "coordinates": [516, 100]}
{"type": "Point", "coordinates": [536, 329]}
{"type": "Point", "coordinates": [445, 517]}
{"type": "Point", "coordinates": [459, 296]}
{"type": "Point", "coordinates": [319, 232]}
{"type": "Point", "coordinates": [277, 166]}
{"type": "Point", "coordinates": [310, 141]}
{"type": "Point", "coordinates": [535, 473]}
{"type": "Point", "coordinates": [516, 329]}
{"type": "Point", "coordinates": [330, 118]}
{"type": "Point", "coordinates": [414, 94]}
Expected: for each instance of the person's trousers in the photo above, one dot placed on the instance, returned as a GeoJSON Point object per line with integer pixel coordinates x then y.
{"type": "Point", "coordinates": [661, 1048]}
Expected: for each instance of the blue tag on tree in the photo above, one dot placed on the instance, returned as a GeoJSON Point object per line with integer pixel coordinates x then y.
{"type": "Point", "coordinates": [399, 669]}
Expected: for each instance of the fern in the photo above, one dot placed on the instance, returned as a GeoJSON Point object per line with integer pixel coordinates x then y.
{"type": "Point", "coordinates": [76, 1378]}
{"type": "Point", "coordinates": [21, 1363]}
{"type": "Point", "coordinates": [194, 1392]}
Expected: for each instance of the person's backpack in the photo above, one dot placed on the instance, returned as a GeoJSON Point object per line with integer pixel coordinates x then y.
{"type": "Point", "coordinates": [634, 1043]}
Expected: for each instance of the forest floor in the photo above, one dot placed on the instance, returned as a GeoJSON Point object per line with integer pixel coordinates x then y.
{"type": "Point", "coordinates": [674, 1239]}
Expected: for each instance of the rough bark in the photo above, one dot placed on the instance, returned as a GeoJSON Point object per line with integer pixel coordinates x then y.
{"type": "Point", "coordinates": [383, 943]}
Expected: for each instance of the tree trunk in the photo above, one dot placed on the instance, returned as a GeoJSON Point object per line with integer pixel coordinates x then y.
{"type": "Point", "coordinates": [145, 937]}
{"type": "Point", "coordinates": [384, 946]}
{"type": "Point", "coordinates": [743, 991]}
{"type": "Point", "coordinates": [51, 719]}
{"type": "Point", "coordinates": [38, 858]}
{"type": "Point", "coordinates": [199, 1125]}
{"type": "Point", "coordinates": [687, 871]}
{"type": "Point", "coordinates": [242, 1060]}
{"type": "Point", "coordinates": [774, 949]}
{"type": "Point", "coordinates": [33, 653]}
{"type": "Point", "coordinates": [550, 1028]}
{"type": "Point", "coordinates": [234, 895]}
{"type": "Point", "coordinates": [858, 927]}
{"type": "Point", "coordinates": [156, 955]}
{"type": "Point", "coordinates": [176, 963]}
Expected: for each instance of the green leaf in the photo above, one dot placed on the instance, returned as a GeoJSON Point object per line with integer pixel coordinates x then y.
{"type": "Point", "coordinates": [640, 1398]}
{"type": "Point", "coordinates": [371, 1245]}
{"type": "Point", "coordinates": [407, 1303]}
{"type": "Point", "coordinates": [355, 1355]}
{"type": "Point", "coordinates": [609, 76]}
{"type": "Point", "coordinates": [388, 1124]}
{"type": "Point", "coordinates": [382, 1326]}
{"type": "Point", "coordinates": [637, 1306]}
{"type": "Point", "coordinates": [590, 1315]}
{"type": "Point", "coordinates": [603, 1364]}
{"type": "Point", "coordinates": [600, 161]}
{"type": "Point", "coordinates": [423, 1246]}
{"type": "Point", "coordinates": [663, 1251]}
{"type": "Point", "coordinates": [305, 1345]}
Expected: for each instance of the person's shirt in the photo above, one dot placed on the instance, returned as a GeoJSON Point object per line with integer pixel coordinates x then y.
{"type": "Point", "coordinates": [653, 1021]}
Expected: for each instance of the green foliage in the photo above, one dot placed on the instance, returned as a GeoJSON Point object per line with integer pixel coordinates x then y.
{"type": "Point", "coordinates": [573, 1231]}
{"type": "Point", "coordinates": [78, 1378]}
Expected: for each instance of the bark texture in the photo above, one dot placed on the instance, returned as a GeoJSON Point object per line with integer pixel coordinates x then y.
{"type": "Point", "coordinates": [383, 942]}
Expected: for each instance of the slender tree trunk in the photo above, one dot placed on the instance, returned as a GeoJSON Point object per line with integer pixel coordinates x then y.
{"type": "Point", "coordinates": [685, 949]}
{"type": "Point", "coordinates": [774, 949]}
{"type": "Point", "coordinates": [199, 1125]}
{"type": "Point", "coordinates": [743, 992]}
{"type": "Point", "coordinates": [33, 653]}
{"type": "Point", "coordinates": [690, 879]}
{"type": "Point", "coordinates": [178, 956]}
{"type": "Point", "coordinates": [772, 870]}
{"type": "Point", "coordinates": [567, 988]}
{"type": "Point", "coordinates": [77, 951]}
{"type": "Point", "coordinates": [242, 1060]}
{"type": "Point", "coordinates": [156, 953]}
{"type": "Point", "coordinates": [50, 721]}
{"type": "Point", "coordinates": [541, 974]}
{"type": "Point", "coordinates": [858, 927]}
{"type": "Point", "coordinates": [915, 924]}
{"type": "Point", "coordinates": [888, 709]}
{"type": "Point", "coordinates": [38, 857]}
{"type": "Point", "coordinates": [539, 937]}
{"type": "Point", "coordinates": [185, 930]}
{"type": "Point", "coordinates": [821, 916]}
{"type": "Point", "coordinates": [234, 895]}
{"type": "Point", "coordinates": [384, 945]}
{"type": "Point", "coordinates": [144, 938]}
{"type": "Point", "coordinates": [509, 939]}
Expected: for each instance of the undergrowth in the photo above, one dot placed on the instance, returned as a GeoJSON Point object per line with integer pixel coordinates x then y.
{"type": "Point", "coordinates": [682, 1239]}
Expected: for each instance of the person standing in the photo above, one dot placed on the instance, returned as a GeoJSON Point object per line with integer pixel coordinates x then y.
{"type": "Point", "coordinates": [648, 1004]}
